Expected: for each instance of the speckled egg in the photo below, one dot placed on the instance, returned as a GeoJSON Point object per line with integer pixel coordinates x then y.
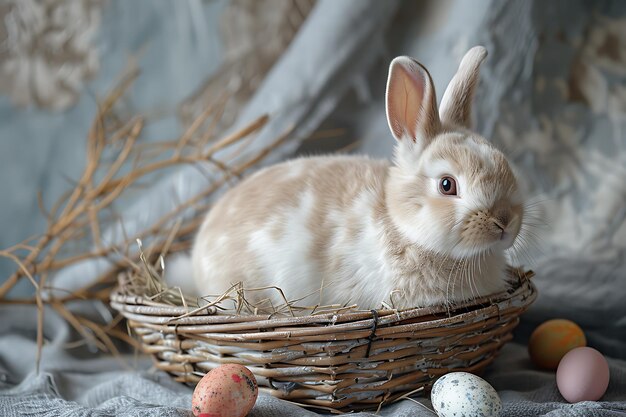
{"type": "Point", "coordinates": [552, 340]}
{"type": "Point", "coordinates": [226, 391]}
{"type": "Point", "coordinates": [583, 375]}
{"type": "Point", "coordinates": [463, 394]}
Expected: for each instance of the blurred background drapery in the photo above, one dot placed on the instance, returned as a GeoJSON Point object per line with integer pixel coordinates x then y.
{"type": "Point", "coordinates": [552, 96]}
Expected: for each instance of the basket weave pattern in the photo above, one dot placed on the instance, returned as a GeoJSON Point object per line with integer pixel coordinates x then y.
{"type": "Point", "coordinates": [345, 361]}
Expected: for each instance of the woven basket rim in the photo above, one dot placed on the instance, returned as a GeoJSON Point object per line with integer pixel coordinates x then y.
{"type": "Point", "coordinates": [138, 305]}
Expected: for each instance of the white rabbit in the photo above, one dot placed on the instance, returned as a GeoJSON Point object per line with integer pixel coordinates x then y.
{"type": "Point", "coordinates": [431, 228]}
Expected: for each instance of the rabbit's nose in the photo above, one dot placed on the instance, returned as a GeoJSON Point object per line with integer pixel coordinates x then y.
{"type": "Point", "coordinates": [501, 226]}
{"type": "Point", "coordinates": [502, 219]}
{"type": "Point", "coordinates": [501, 215]}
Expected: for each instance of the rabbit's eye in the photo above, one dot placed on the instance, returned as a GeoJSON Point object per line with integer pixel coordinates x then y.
{"type": "Point", "coordinates": [447, 186]}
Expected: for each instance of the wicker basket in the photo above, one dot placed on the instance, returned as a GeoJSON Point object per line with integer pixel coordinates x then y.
{"type": "Point", "coordinates": [348, 361]}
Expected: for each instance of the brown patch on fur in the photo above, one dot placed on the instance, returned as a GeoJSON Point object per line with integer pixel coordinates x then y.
{"type": "Point", "coordinates": [335, 185]}
{"type": "Point", "coordinates": [277, 230]}
{"type": "Point", "coordinates": [241, 211]}
{"type": "Point", "coordinates": [402, 199]}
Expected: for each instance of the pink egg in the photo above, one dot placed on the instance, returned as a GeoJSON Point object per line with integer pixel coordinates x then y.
{"type": "Point", "coordinates": [582, 375]}
{"type": "Point", "coordinates": [226, 391]}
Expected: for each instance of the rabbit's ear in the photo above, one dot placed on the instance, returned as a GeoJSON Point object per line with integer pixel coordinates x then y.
{"type": "Point", "coordinates": [456, 104]}
{"type": "Point", "coordinates": [410, 102]}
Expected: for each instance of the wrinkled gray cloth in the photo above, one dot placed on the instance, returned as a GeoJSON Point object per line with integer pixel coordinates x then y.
{"type": "Point", "coordinates": [70, 386]}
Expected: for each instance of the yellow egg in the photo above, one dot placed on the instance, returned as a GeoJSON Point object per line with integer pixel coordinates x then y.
{"type": "Point", "coordinates": [552, 340]}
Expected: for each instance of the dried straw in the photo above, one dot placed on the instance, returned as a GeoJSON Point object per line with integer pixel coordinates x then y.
{"type": "Point", "coordinates": [77, 218]}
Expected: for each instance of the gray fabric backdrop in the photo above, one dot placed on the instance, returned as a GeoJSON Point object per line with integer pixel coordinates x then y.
{"type": "Point", "coordinates": [552, 95]}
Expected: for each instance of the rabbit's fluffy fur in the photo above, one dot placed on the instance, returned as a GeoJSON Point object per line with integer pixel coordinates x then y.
{"type": "Point", "coordinates": [351, 230]}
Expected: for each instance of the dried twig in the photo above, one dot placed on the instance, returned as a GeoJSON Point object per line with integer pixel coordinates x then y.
{"type": "Point", "coordinates": [78, 217]}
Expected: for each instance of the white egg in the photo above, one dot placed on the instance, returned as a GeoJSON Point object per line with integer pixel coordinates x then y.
{"type": "Point", "coordinates": [461, 394]}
